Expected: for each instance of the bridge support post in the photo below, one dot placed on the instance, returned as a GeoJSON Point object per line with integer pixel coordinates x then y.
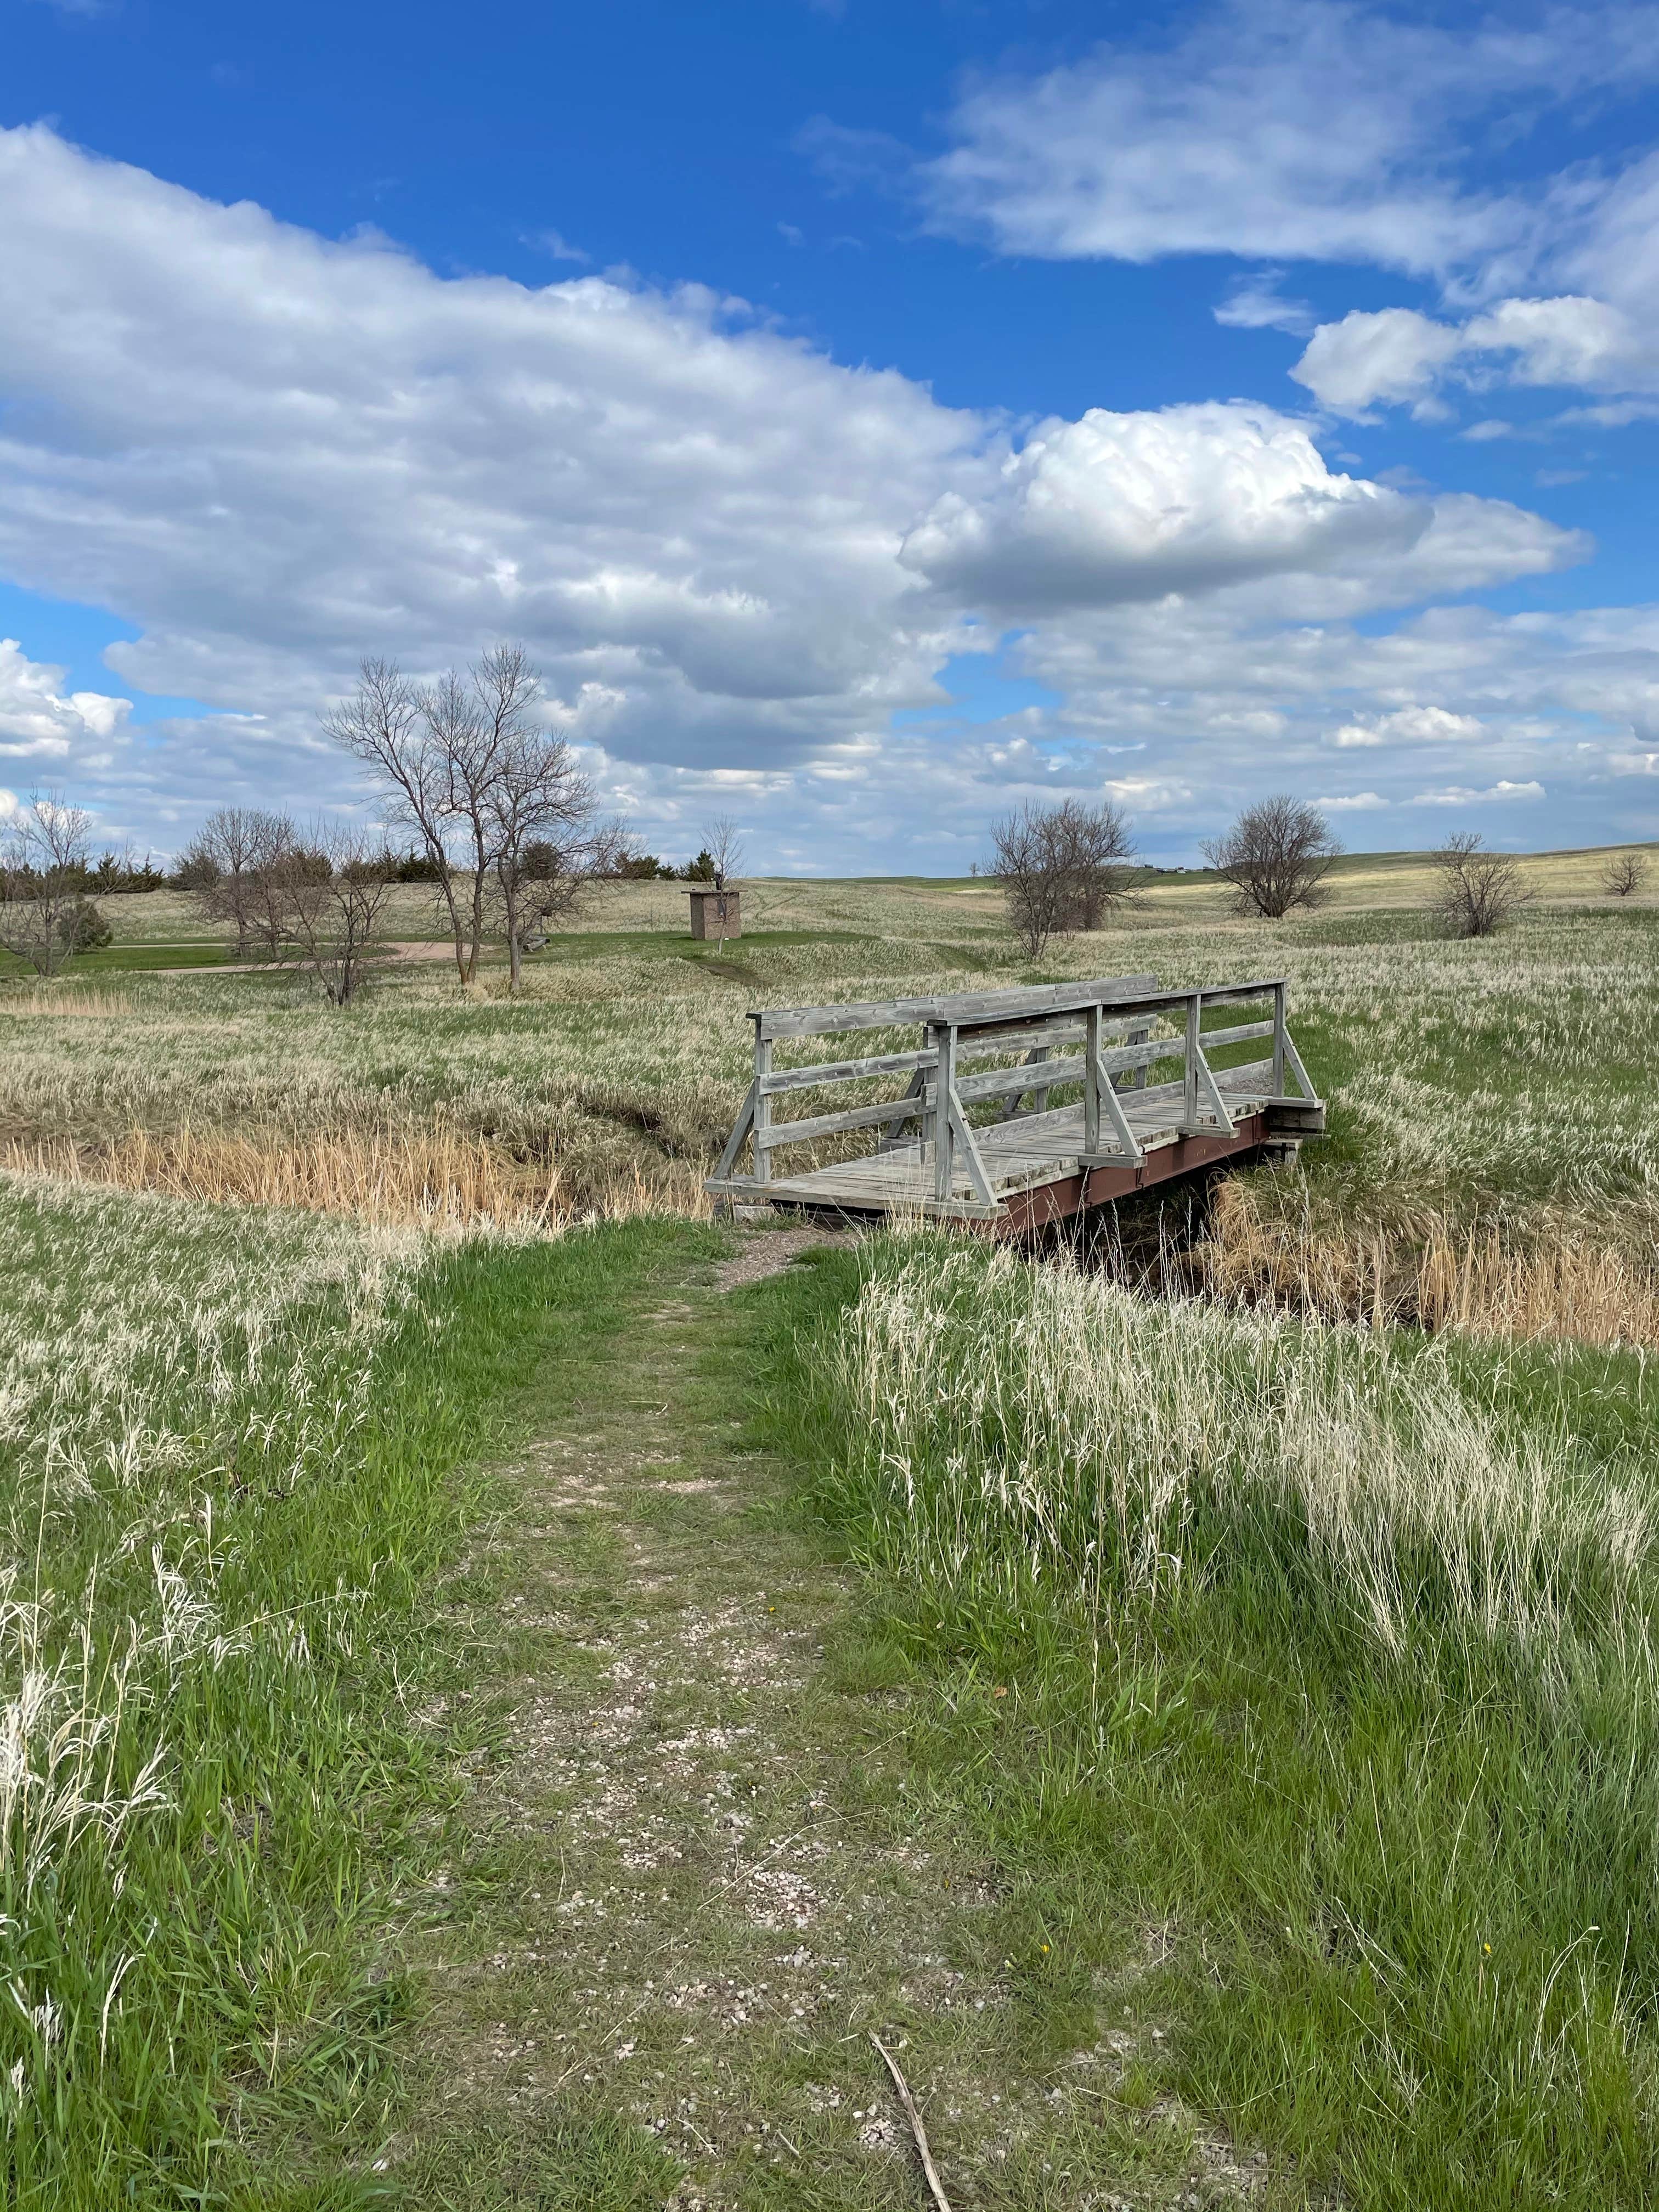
{"type": "Point", "coordinates": [762, 1106]}
{"type": "Point", "coordinates": [945, 1132]}
{"type": "Point", "coordinates": [1189, 1067]}
{"type": "Point", "coordinates": [1092, 1080]}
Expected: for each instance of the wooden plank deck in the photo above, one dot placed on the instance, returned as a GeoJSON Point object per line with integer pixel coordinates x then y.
{"type": "Point", "coordinates": [1037, 1148]}
{"type": "Point", "coordinates": [1024, 1167]}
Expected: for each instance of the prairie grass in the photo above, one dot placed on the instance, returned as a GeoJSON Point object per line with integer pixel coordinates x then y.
{"type": "Point", "coordinates": [421, 1178]}
{"type": "Point", "coordinates": [234, 1451]}
{"type": "Point", "coordinates": [1569, 1281]}
{"type": "Point", "coordinates": [1332, 1657]}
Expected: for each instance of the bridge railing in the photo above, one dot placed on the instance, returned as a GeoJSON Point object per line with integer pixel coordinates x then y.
{"type": "Point", "coordinates": [1111, 1018]}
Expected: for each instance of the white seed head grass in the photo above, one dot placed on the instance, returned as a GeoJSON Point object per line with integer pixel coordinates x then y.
{"type": "Point", "coordinates": [1035, 1426]}
{"type": "Point", "coordinates": [129, 1327]}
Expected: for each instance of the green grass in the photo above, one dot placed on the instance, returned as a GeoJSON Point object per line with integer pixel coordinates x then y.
{"type": "Point", "coordinates": [132, 959]}
{"type": "Point", "coordinates": [240, 1462]}
{"type": "Point", "coordinates": [1356, 1797]}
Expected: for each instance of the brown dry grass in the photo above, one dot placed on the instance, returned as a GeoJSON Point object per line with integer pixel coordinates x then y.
{"type": "Point", "coordinates": [45, 999]}
{"type": "Point", "coordinates": [1435, 1278]}
{"type": "Point", "coordinates": [421, 1178]}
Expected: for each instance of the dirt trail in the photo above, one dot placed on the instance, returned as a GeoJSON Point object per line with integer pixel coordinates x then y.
{"type": "Point", "coordinates": [713, 1877]}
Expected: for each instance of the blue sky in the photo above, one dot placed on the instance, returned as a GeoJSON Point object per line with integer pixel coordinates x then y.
{"type": "Point", "coordinates": [871, 417]}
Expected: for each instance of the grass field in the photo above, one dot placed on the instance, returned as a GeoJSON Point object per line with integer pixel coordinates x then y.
{"type": "Point", "coordinates": [1277, 1648]}
{"type": "Point", "coordinates": [1320, 1660]}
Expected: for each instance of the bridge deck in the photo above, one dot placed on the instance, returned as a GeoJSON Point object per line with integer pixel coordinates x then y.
{"type": "Point", "coordinates": [1020, 1155]}
{"type": "Point", "coordinates": [1030, 1166]}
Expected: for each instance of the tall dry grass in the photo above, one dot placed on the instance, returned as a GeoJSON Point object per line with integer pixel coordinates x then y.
{"type": "Point", "coordinates": [67, 999]}
{"type": "Point", "coordinates": [1428, 1273]}
{"type": "Point", "coordinates": [1028, 1428]}
{"type": "Point", "coordinates": [416, 1178]}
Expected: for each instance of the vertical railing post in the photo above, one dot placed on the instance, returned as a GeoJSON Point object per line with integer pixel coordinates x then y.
{"type": "Point", "coordinates": [763, 1105]}
{"type": "Point", "coordinates": [1278, 1041]}
{"type": "Point", "coordinates": [1091, 1080]}
{"type": "Point", "coordinates": [1137, 1033]}
{"type": "Point", "coordinates": [1189, 1087]}
{"type": "Point", "coordinates": [945, 1083]}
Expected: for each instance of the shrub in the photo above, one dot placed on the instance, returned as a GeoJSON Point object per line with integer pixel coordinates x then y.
{"type": "Point", "coordinates": [1480, 890]}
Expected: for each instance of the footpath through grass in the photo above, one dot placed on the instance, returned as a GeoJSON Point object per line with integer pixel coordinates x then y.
{"type": "Point", "coordinates": [698, 1866]}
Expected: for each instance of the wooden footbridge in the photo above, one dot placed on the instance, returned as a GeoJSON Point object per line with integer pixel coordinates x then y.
{"type": "Point", "coordinates": [1095, 1045]}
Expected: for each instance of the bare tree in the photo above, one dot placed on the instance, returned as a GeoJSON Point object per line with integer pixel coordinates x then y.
{"type": "Point", "coordinates": [230, 863]}
{"type": "Point", "coordinates": [1061, 868]}
{"type": "Point", "coordinates": [384, 727]}
{"type": "Point", "coordinates": [1023, 862]}
{"type": "Point", "coordinates": [330, 894]}
{"type": "Point", "coordinates": [548, 845]}
{"type": "Point", "coordinates": [442, 755]}
{"type": "Point", "coordinates": [723, 842]}
{"type": "Point", "coordinates": [1624, 874]}
{"type": "Point", "coordinates": [1276, 856]}
{"type": "Point", "coordinates": [1096, 853]}
{"type": "Point", "coordinates": [1480, 890]}
{"type": "Point", "coordinates": [43, 874]}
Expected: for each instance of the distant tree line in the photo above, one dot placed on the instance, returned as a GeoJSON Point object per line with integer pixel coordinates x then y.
{"type": "Point", "coordinates": [479, 799]}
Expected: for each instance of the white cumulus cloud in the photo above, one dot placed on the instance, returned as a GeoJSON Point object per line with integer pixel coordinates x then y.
{"type": "Point", "coordinates": [1461, 795]}
{"type": "Point", "coordinates": [38, 721]}
{"type": "Point", "coordinates": [1281, 130]}
{"type": "Point", "coordinates": [1397, 355]}
{"type": "Point", "coordinates": [1134, 507]}
{"type": "Point", "coordinates": [1423, 726]}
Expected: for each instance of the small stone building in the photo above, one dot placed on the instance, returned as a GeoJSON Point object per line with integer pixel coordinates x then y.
{"type": "Point", "coordinates": [715, 913]}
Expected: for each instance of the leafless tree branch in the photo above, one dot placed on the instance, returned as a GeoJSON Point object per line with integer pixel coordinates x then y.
{"type": "Point", "coordinates": [1276, 856]}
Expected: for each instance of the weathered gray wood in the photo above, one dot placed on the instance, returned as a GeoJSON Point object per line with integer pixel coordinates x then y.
{"type": "Point", "coordinates": [977, 1044]}
{"type": "Point", "coordinates": [1189, 1065]}
{"type": "Point", "coordinates": [1135, 1033]}
{"type": "Point", "coordinates": [843, 1071]}
{"type": "Point", "coordinates": [1208, 1088]}
{"type": "Point", "coordinates": [1116, 1058]}
{"type": "Point", "coordinates": [1030, 1149]}
{"type": "Point", "coordinates": [1034, 1058]}
{"type": "Point", "coordinates": [1128, 1144]}
{"type": "Point", "coordinates": [999, 1082]}
{"type": "Point", "coordinates": [1032, 1000]}
{"type": "Point", "coordinates": [829, 1125]}
{"type": "Point", "coordinates": [1293, 1061]}
{"type": "Point", "coordinates": [763, 1105]}
{"type": "Point", "coordinates": [943, 1119]}
{"type": "Point", "coordinates": [964, 1146]}
{"type": "Point", "coordinates": [908, 1110]}
{"type": "Point", "coordinates": [734, 1142]}
{"type": "Point", "coordinates": [1094, 1080]}
{"type": "Point", "coordinates": [974, 1043]}
{"type": "Point", "coordinates": [1214, 1039]}
{"type": "Point", "coordinates": [1218, 995]}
